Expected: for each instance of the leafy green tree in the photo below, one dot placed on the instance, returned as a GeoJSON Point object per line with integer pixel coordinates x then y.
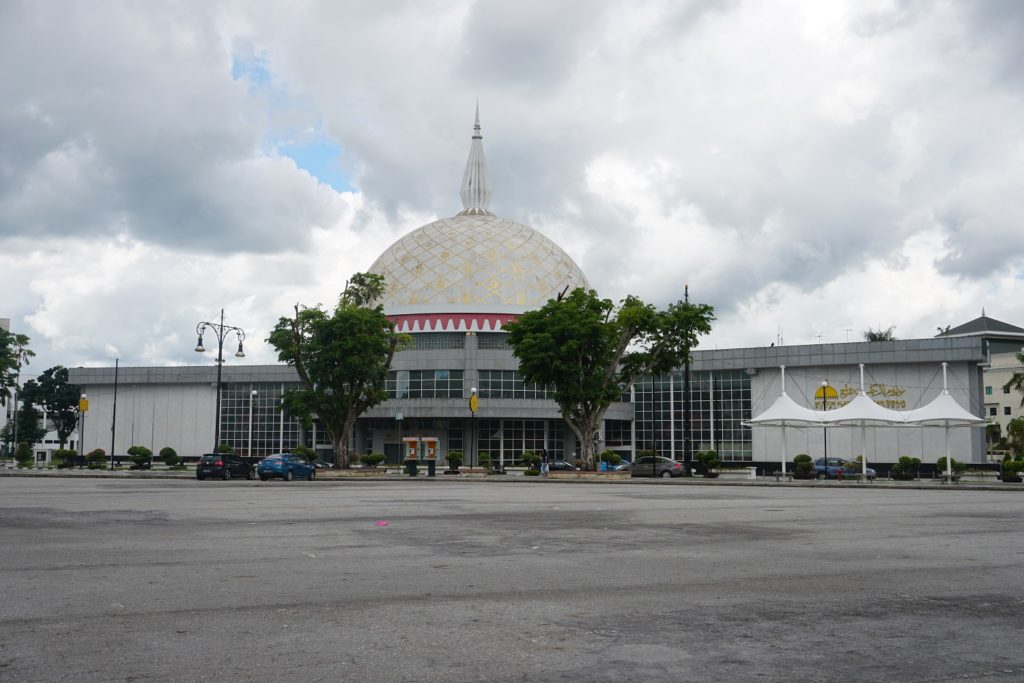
{"type": "Point", "coordinates": [57, 397]}
{"type": "Point", "coordinates": [14, 354]}
{"type": "Point", "coordinates": [30, 424]}
{"type": "Point", "coordinates": [880, 334]}
{"type": "Point", "coordinates": [590, 351]}
{"type": "Point", "coordinates": [1017, 381]}
{"type": "Point", "coordinates": [342, 359]}
{"type": "Point", "coordinates": [1015, 432]}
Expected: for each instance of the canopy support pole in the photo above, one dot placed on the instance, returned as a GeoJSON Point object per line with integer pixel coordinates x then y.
{"type": "Point", "coordinates": [784, 448]}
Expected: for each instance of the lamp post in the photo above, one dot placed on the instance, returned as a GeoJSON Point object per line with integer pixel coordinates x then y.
{"type": "Point", "coordinates": [824, 429]}
{"type": "Point", "coordinates": [83, 408]}
{"type": "Point", "coordinates": [221, 331]}
{"type": "Point", "coordinates": [252, 398]}
{"type": "Point", "coordinates": [472, 422]}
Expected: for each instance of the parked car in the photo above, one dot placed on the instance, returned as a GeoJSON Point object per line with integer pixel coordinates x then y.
{"type": "Point", "coordinates": [321, 465]}
{"type": "Point", "coordinates": [287, 466]}
{"type": "Point", "coordinates": [665, 467]}
{"type": "Point", "coordinates": [623, 466]}
{"type": "Point", "coordinates": [849, 469]}
{"type": "Point", "coordinates": [561, 465]}
{"type": "Point", "coordinates": [223, 466]}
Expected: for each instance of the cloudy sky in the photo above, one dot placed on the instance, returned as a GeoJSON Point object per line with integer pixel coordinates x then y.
{"type": "Point", "coordinates": [810, 169]}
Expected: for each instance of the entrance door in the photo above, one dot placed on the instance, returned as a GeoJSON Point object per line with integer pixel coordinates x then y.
{"type": "Point", "coordinates": [393, 453]}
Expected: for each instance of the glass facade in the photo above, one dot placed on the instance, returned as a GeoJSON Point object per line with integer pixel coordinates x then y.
{"type": "Point", "coordinates": [432, 341]}
{"type": "Point", "coordinates": [719, 402]}
{"type": "Point", "coordinates": [508, 384]}
{"type": "Point", "coordinates": [272, 431]}
{"type": "Point", "coordinates": [506, 440]}
{"type": "Point", "coordinates": [424, 384]}
{"type": "Point", "coordinates": [492, 340]}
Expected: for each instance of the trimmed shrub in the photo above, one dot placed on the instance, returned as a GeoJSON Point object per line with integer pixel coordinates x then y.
{"type": "Point", "coordinates": [956, 466]}
{"type": "Point", "coordinates": [169, 456]}
{"type": "Point", "coordinates": [64, 457]}
{"type": "Point", "coordinates": [803, 465]}
{"type": "Point", "coordinates": [530, 459]}
{"type": "Point", "coordinates": [373, 459]}
{"type": "Point", "coordinates": [454, 459]}
{"type": "Point", "coordinates": [708, 460]}
{"type": "Point", "coordinates": [485, 460]}
{"type": "Point", "coordinates": [906, 468]}
{"type": "Point", "coordinates": [532, 473]}
{"type": "Point", "coordinates": [225, 447]}
{"type": "Point", "coordinates": [140, 456]}
{"type": "Point", "coordinates": [96, 455]}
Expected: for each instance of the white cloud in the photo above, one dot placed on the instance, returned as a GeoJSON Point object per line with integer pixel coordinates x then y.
{"type": "Point", "coordinates": [775, 156]}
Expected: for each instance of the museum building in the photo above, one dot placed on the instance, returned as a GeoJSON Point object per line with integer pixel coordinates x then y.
{"type": "Point", "coordinates": [451, 285]}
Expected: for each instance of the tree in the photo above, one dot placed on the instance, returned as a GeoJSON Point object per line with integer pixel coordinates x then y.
{"type": "Point", "coordinates": [14, 354]}
{"type": "Point", "coordinates": [30, 424]}
{"type": "Point", "coordinates": [57, 397]}
{"type": "Point", "coordinates": [591, 351]}
{"type": "Point", "coordinates": [1015, 432]}
{"type": "Point", "coordinates": [880, 334]}
{"type": "Point", "coordinates": [342, 359]}
{"type": "Point", "coordinates": [1017, 381]}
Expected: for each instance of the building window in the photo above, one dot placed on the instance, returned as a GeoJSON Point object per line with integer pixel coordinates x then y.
{"type": "Point", "coordinates": [424, 384]}
{"type": "Point", "coordinates": [433, 341]}
{"type": "Point", "coordinates": [1006, 390]}
{"type": "Point", "coordinates": [617, 434]}
{"type": "Point", "coordinates": [1006, 410]}
{"type": "Point", "coordinates": [992, 410]}
{"type": "Point", "coordinates": [508, 384]}
{"type": "Point", "coordinates": [493, 340]}
{"type": "Point", "coordinates": [988, 391]}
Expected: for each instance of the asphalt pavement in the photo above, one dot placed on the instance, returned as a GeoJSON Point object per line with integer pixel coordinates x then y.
{"type": "Point", "coordinates": [439, 580]}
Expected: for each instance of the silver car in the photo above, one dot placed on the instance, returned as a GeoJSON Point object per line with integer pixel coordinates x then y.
{"type": "Point", "coordinates": [666, 467]}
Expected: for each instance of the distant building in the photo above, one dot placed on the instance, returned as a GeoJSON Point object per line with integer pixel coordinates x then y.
{"type": "Point", "coordinates": [1002, 342]}
{"type": "Point", "coordinates": [453, 284]}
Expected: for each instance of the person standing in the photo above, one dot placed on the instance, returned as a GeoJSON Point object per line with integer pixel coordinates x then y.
{"type": "Point", "coordinates": [543, 462]}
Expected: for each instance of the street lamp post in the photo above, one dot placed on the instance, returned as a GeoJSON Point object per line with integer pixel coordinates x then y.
{"type": "Point", "coordinates": [824, 429]}
{"type": "Point", "coordinates": [472, 422]}
{"type": "Point", "coordinates": [252, 398]}
{"type": "Point", "coordinates": [221, 331]}
{"type": "Point", "coordinates": [83, 408]}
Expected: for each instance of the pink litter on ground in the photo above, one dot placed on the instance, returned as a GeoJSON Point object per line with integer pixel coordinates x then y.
{"type": "Point", "coordinates": [382, 522]}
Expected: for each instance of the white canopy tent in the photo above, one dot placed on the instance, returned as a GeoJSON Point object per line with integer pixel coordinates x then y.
{"type": "Point", "coordinates": [943, 411]}
{"type": "Point", "coordinates": [785, 411]}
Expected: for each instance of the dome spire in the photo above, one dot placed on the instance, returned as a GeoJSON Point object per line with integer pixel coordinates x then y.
{"type": "Point", "coordinates": [476, 190]}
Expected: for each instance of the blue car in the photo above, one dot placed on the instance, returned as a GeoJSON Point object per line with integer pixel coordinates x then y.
{"type": "Point", "coordinates": [287, 466]}
{"type": "Point", "coordinates": [837, 466]}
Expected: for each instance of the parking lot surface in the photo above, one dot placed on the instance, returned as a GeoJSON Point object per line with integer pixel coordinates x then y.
{"type": "Point", "coordinates": [118, 580]}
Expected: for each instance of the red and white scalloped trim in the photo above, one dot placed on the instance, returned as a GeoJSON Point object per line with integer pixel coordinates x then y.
{"type": "Point", "coordinates": [451, 322]}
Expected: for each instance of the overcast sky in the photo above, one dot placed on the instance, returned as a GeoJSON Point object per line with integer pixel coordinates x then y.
{"type": "Point", "coordinates": [810, 169]}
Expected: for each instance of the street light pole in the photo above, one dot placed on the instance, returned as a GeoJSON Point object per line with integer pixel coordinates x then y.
{"type": "Point", "coordinates": [472, 422]}
{"type": "Point", "coordinates": [824, 429]}
{"type": "Point", "coordinates": [221, 331]}
{"type": "Point", "coordinates": [83, 408]}
{"type": "Point", "coordinates": [252, 397]}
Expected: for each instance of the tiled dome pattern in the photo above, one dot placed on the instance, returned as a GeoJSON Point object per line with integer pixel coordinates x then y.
{"type": "Point", "coordinates": [474, 261]}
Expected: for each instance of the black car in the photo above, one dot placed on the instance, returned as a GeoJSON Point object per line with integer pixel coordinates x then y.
{"type": "Point", "coordinates": [557, 465]}
{"type": "Point", "coordinates": [223, 466]}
